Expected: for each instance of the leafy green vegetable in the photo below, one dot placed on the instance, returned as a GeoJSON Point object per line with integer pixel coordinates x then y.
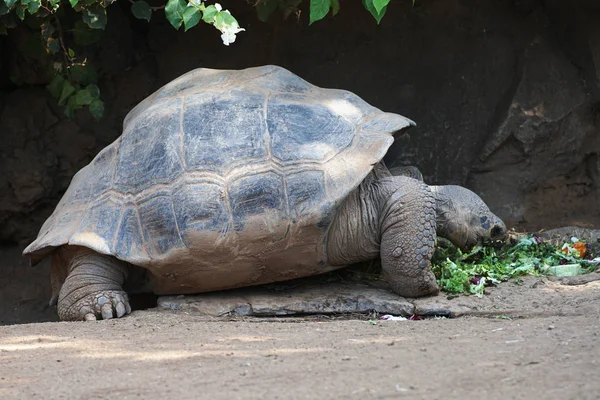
{"type": "Point", "coordinates": [459, 272]}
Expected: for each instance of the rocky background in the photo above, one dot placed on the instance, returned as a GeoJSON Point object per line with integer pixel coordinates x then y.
{"type": "Point", "coordinates": [506, 95]}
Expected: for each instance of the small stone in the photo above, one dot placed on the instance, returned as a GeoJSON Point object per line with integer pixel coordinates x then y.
{"type": "Point", "coordinates": [550, 327]}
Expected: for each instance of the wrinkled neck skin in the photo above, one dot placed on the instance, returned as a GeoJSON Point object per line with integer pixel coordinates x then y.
{"type": "Point", "coordinates": [355, 234]}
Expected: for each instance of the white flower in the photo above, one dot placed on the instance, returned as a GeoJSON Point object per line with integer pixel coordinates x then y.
{"type": "Point", "coordinates": [228, 30]}
{"type": "Point", "coordinates": [228, 33]}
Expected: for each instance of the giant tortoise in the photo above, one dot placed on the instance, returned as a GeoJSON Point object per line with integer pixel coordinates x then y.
{"type": "Point", "coordinates": [223, 179]}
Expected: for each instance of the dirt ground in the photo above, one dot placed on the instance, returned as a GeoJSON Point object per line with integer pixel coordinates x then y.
{"type": "Point", "coordinates": [535, 338]}
{"type": "Point", "coordinates": [157, 355]}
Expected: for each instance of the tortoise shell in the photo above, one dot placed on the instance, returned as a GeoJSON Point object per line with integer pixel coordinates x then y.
{"type": "Point", "coordinates": [223, 178]}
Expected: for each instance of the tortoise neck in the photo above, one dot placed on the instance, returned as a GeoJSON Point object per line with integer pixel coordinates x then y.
{"type": "Point", "coordinates": [355, 232]}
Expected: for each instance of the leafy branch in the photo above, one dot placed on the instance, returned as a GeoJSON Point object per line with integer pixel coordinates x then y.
{"type": "Point", "coordinates": [74, 81]}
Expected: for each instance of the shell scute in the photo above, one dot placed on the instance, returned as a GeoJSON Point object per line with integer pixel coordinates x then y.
{"type": "Point", "coordinates": [306, 192]}
{"type": "Point", "coordinates": [150, 150]}
{"type": "Point", "coordinates": [258, 195]}
{"type": "Point", "coordinates": [226, 129]}
{"type": "Point", "coordinates": [102, 220]}
{"type": "Point", "coordinates": [130, 240]}
{"type": "Point", "coordinates": [159, 227]}
{"type": "Point", "coordinates": [305, 131]}
{"type": "Point", "coordinates": [201, 207]}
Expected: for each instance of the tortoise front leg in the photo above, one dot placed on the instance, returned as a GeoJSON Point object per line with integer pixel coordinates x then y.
{"type": "Point", "coordinates": [93, 287]}
{"type": "Point", "coordinates": [408, 232]}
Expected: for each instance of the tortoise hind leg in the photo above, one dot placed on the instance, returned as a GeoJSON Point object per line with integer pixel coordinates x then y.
{"type": "Point", "coordinates": [93, 286]}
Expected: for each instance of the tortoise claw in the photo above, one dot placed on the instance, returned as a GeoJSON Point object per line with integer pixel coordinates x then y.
{"type": "Point", "coordinates": [100, 305]}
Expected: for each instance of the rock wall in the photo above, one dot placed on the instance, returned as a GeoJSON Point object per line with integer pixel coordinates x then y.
{"type": "Point", "coordinates": [506, 95]}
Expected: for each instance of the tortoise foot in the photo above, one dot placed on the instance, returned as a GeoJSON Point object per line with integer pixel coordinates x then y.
{"type": "Point", "coordinates": [99, 305]}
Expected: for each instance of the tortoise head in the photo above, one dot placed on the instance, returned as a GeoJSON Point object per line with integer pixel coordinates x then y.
{"type": "Point", "coordinates": [464, 219]}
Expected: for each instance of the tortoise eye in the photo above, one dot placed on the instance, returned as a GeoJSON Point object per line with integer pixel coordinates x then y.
{"type": "Point", "coordinates": [485, 222]}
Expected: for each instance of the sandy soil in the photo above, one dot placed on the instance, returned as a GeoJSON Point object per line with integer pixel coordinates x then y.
{"type": "Point", "coordinates": [158, 355]}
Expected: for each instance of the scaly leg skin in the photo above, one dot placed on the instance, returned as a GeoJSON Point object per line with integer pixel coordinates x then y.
{"type": "Point", "coordinates": [93, 288]}
{"type": "Point", "coordinates": [408, 239]}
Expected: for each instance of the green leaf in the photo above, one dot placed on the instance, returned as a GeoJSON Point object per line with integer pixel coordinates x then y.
{"type": "Point", "coordinates": [66, 92]}
{"type": "Point", "coordinates": [141, 10]}
{"type": "Point", "coordinates": [71, 52]}
{"type": "Point", "coordinates": [73, 2]}
{"type": "Point", "coordinates": [3, 8]}
{"type": "Point", "coordinates": [71, 107]}
{"type": "Point", "coordinates": [33, 6]}
{"type": "Point", "coordinates": [228, 19]}
{"type": "Point", "coordinates": [97, 108]}
{"type": "Point", "coordinates": [47, 30]}
{"type": "Point", "coordinates": [95, 17]}
{"type": "Point", "coordinates": [72, 103]}
{"type": "Point", "coordinates": [174, 11]}
{"type": "Point", "coordinates": [209, 14]}
{"type": "Point", "coordinates": [218, 19]}
{"type": "Point", "coordinates": [83, 35]}
{"type": "Point", "coordinates": [265, 8]}
{"type": "Point", "coordinates": [20, 11]}
{"type": "Point", "coordinates": [378, 15]}
{"type": "Point", "coordinates": [9, 3]}
{"type": "Point", "coordinates": [94, 91]}
{"type": "Point", "coordinates": [69, 112]}
{"type": "Point", "coordinates": [52, 46]}
{"type": "Point", "coordinates": [83, 97]}
{"type": "Point", "coordinates": [318, 10]}
{"type": "Point", "coordinates": [335, 7]}
{"type": "Point", "coordinates": [380, 4]}
{"type": "Point", "coordinates": [55, 86]}
{"type": "Point", "coordinates": [191, 17]}
{"type": "Point", "coordinates": [83, 74]}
